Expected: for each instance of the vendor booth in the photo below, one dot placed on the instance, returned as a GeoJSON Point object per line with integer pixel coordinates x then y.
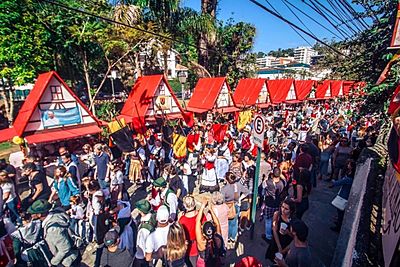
{"type": "Point", "coordinates": [212, 94]}
{"type": "Point", "coordinates": [305, 89]}
{"type": "Point", "coordinates": [51, 112]}
{"type": "Point", "coordinates": [324, 90]}
{"type": "Point", "coordinates": [252, 93]}
{"type": "Point", "coordinates": [151, 98]}
{"type": "Point", "coordinates": [282, 91]}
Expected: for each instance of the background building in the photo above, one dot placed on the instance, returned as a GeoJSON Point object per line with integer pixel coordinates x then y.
{"type": "Point", "coordinates": [303, 54]}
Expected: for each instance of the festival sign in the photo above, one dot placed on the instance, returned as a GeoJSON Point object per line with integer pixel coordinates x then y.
{"type": "Point", "coordinates": [60, 117]}
{"type": "Point", "coordinates": [391, 214]}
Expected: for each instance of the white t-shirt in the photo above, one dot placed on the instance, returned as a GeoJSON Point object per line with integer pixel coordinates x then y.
{"type": "Point", "coordinates": [9, 187]}
{"type": "Point", "coordinates": [142, 236]}
{"type": "Point", "coordinates": [157, 239]}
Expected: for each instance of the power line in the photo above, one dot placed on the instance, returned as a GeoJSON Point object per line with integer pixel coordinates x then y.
{"type": "Point", "coordinates": [308, 16]}
{"type": "Point", "coordinates": [109, 20]}
{"type": "Point", "coordinates": [337, 16]}
{"type": "Point", "coordinates": [344, 34]}
{"type": "Point", "coordinates": [294, 25]}
{"type": "Point", "coordinates": [344, 16]}
{"type": "Point", "coordinates": [353, 12]}
{"type": "Point", "coordinates": [349, 15]}
{"type": "Point", "coordinates": [302, 37]}
{"type": "Point", "coordinates": [297, 17]}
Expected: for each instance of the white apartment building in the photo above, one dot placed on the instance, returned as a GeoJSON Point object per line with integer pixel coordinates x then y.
{"type": "Point", "coordinates": [263, 62]}
{"type": "Point", "coordinates": [270, 61]}
{"type": "Point", "coordinates": [303, 54]}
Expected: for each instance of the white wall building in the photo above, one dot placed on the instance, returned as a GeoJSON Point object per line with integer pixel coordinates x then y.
{"type": "Point", "coordinates": [303, 54]}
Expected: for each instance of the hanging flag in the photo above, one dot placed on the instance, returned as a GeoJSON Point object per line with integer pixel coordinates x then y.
{"type": "Point", "coordinates": [116, 125]}
{"type": "Point", "coordinates": [385, 72]}
{"type": "Point", "coordinates": [179, 145]}
{"type": "Point", "coordinates": [219, 131]}
{"type": "Point", "coordinates": [395, 43]}
{"type": "Point", "coordinates": [244, 118]}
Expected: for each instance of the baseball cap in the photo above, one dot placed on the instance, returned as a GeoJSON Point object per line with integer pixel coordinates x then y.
{"type": "Point", "coordinates": [111, 237]}
{"type": "Point", "coordinates": [162, 214]}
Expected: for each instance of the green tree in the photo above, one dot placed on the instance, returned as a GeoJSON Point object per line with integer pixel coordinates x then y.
{"type": "Point", "coordinates": [24, 49]}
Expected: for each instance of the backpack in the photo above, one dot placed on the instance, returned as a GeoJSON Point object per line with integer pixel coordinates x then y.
{"type": "Point", "coordinates": [214, 254]}
{"type": "Point", "coordinates": [37, 254]}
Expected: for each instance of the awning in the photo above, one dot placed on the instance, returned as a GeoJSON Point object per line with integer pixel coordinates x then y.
{"type": "Point", "coordinates": [227, 109]}
{"type": "Point", "coordinates": [7, 134]}
{"type": "Point", "coordinates": [196, 110]}
{"type": "Point", "coordinates": [61, 134]}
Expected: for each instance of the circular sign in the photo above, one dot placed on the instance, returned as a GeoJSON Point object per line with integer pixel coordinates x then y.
{"type": "Point", "coordinates": [259, 125]}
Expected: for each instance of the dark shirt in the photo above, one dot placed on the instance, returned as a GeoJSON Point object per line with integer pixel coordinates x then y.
{"type": "Point", "coordinates": [176, 183]}
{"type": "Point", "coordinates": [298, 256]}
{"type": "Point", "coordinates": [303, 160]}
{"type": "Point", "coordinates": [101, 163]}
{"type": "Point", "coordinates": [345, 184]}
{"type": "Point", "coordinates": [119, 258]}
{"type": "Point", "coordinates": [9, 169]}
{"type": "Point", "coordinates": [40, 178]}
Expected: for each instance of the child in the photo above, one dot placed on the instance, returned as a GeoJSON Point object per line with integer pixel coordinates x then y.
{"type": "Point", "coordinates": [77, 216]}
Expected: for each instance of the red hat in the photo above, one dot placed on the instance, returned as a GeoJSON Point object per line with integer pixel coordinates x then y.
{"type": "Point", "coordinates": [248, 261]}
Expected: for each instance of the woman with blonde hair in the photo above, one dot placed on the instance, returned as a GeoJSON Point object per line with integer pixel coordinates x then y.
{"type": "Point", "coordinates": [221, 209]}
{"type": "Point", "coordinates": [188, 221]}
{"type": "Point", "coordinates": [10, 197]}
{"type": "Point", "coordinates": [176, 246]}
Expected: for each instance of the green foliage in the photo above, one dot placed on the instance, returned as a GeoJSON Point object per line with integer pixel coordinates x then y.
{"type": "Point", "coordinates": [106, 111]}
{"type": "Point", "coordinates": [23, 42]}
{"type": "Point", "coordinates": [175, 85]}
{"type": "Point", "coordinates": [366, 55]}
{"type": "Point", "coordinates": [289, 52]}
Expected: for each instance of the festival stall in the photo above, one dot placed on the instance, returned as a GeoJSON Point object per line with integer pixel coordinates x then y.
{"type": "Point", "coordinates": [323, 90]}
{"type": "Point", "coordinates": [252, 93]}
{"type": "Point", "coordinates": [151, 98]}
{"type": "Point", "coordinates": [347, 87]}
{"type": "Point", "coordinates": [337, 88]}
{"type": "Point", "coordinates": [212, 94]}
{"type": "Point", "coordinates": [282, 91]}
{"type": "Point", "coordinates": [51, 112]}
{"type": "Point", "coordinates": [305, 89]}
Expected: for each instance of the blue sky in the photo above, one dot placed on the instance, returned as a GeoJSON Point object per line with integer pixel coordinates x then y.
{"type": "Point", "coordinates": [272, 33]}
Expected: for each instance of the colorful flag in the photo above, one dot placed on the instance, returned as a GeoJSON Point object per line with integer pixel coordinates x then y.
{"type": "Point", "coordinates": [219, 131]}
{"type": "Point", "coordinates": [116, 125]}
{"type": "Point", "coordinates": [244, 118]}
{"type": "Point", "coordinates": [179, 145]}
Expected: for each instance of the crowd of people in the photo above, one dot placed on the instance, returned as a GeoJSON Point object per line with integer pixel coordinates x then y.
{"type": "Point", "coordinates": [185, 211]}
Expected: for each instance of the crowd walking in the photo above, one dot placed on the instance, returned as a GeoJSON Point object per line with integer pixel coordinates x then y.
{"type": "Point", "coordinates": [195, 207]}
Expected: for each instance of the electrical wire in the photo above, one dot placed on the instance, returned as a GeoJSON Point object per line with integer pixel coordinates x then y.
{"type": "Point", "coordinates": [308, 16]}
{"type": "Point", "coordinates": [349, 15]}
{"type": "Point", "coordinates": [305, 26]}
{"type": "Point", "coordinates": [302, 37]}
{"type": "Point", "coordinates": [344, 34]}
{"type": "Point", "coordinates": [353, 12]}
{"type": "Point", "coordinates": [337, 16]}
{"type": "Point", "coordinates": [294, 25]}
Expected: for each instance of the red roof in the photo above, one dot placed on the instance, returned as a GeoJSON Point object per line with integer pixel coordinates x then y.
{"type": "Point", "coordinates": [335, 88]}
{"type": "Point", "coordinates": [303, 88]}
{"type": "Point", "coordinates": [321, 89]}
{"type": "Point", "coordinates": [279, 90]}
{"type": "Point", "coordinates": [205, 94]}
{"type": "Point", "coordinates": [247, 92]}
{"type": "Point", "coordinates": [394, 101]}
{"type": "Point", "coordinates": [141, 96]}
{"type": "Point", "coordinates": [30, 104]}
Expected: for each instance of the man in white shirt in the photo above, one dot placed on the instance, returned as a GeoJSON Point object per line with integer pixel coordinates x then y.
{"type": "Point", "coordinates": [146, 227]}
{"type": "Point", "coordinates": [158, 238]}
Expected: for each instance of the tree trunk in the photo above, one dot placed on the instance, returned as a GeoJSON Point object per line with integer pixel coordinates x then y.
{"type": "Point", "coordinates": [87, 80]}
{"type": "Point", "coordinates": [6, 105]}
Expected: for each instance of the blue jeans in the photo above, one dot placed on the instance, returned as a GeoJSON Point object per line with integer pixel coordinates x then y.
{"type": "Point", "coordinates": [14, 215]}
{"type": "Point", "coordinates": [233, 225]}
{"type": "Point", "coordinates": [268, 227]}
{"type": "Point", "coordinates": [103, 184]}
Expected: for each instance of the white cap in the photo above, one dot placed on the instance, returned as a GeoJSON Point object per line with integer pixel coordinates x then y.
{"type": "Point", "coordinates": [162, 214]}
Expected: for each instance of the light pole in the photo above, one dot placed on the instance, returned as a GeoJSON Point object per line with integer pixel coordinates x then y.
{"type": "Point", "coordinates": [113, 76]}
{"type": "Point", "coordinates": [182, 76]}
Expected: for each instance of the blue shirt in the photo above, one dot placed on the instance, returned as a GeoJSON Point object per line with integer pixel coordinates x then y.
{"type": "Point", "coordinates": [101, 164]}
{"type": "Point", "coordinates": [345, 184]}
{"type": "Point", "coordinates": [65, 189]}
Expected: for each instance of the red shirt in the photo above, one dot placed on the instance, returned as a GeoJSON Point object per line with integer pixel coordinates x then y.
{"type": "Point", "coordinates": [189, 224]}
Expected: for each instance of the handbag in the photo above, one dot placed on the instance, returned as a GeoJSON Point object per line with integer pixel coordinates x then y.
{"type": "Point", "coordinates": [339, 202]}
